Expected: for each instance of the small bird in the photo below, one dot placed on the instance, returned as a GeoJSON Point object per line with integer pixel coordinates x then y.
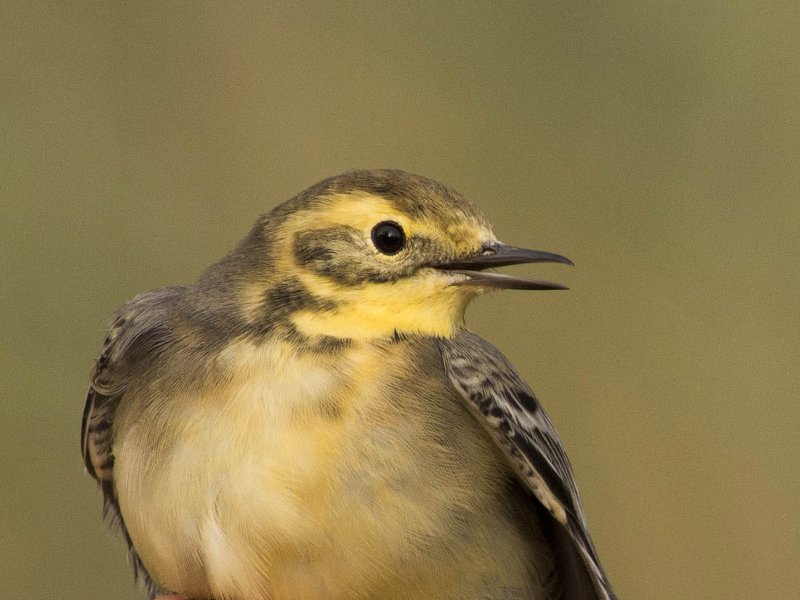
{"type": "Point", "coordinates": [310, 420]}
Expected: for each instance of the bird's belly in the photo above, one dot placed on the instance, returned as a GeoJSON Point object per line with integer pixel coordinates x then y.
{"type": "Point", "coordinates": [318, 490]}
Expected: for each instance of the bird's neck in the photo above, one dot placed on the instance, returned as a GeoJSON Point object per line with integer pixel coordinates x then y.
{"type": "Point", "coordinates": [369, 321]}
{"type": "Point", "coordinates": [317, 308]}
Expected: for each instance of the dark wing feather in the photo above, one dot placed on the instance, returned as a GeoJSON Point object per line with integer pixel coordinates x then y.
{"type": "Point", "coordinates": [510, 412]}
{"type": "Point", "coordinates": [139, 332]}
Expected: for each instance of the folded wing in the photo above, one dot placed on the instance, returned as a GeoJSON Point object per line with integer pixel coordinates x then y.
{"type": "Point", "coordinates": [512, 415]}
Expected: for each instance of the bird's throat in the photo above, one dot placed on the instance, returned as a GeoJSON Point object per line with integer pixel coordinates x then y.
{"type": "Point", "coordinates": [411, 307]}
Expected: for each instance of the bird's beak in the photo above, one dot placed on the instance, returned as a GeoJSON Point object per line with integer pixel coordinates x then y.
{"type": "Point", "coordinates": [496, 254]}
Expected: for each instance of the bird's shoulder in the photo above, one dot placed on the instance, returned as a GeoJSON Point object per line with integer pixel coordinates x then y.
{"type": "Point", "coordinates": [508, 409]}
{"type": "Point", "coordinates": [140, 331]}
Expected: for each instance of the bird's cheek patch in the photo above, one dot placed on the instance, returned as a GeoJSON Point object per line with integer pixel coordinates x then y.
{"type": "Point", "coordinates": [316, 249]}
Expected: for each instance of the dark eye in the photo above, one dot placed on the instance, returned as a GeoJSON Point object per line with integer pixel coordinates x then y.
{"type": "Point", "coordinates": [388, 237]}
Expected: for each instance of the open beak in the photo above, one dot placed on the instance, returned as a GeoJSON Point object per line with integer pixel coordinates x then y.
{"type": "Point", "coordinates": [500, 255]}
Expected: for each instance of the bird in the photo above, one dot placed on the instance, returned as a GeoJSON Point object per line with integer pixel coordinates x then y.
{"type": "Point", "coordinates": [311, 419]}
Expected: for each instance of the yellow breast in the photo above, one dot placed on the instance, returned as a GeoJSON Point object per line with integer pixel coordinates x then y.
{"type": "Point", "coordinates": [311, 476]}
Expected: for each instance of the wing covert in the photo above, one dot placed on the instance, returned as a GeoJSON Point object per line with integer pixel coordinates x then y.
{"type": "Point", "coordinates": [140, 329]}
{"type": "Point", "coordinates": [512, 415]}
{"type": "Point", "coordinates": [139, 332]}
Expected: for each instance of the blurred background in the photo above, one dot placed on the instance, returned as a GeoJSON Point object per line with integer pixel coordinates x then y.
{"type": "Point", "coordinates": [657, 144]}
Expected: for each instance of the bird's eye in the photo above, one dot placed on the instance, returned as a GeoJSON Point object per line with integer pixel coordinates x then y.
{"type": "Point", "coordinates": [388, 237]}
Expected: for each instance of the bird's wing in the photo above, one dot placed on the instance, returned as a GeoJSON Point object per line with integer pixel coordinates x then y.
{"type": "Point", "coordinates": [138, 334]}
{"type": "Point", "coordinates": [510, 412]}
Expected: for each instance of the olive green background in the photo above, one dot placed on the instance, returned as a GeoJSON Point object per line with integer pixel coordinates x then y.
{"type": "Point", "coordinates": [657, 144]}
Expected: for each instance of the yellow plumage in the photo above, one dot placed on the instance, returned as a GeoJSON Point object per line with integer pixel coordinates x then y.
{"type": "Point", "coordinates": [304, 421]}
{"type": "Point", "coordinates": [340, 482]}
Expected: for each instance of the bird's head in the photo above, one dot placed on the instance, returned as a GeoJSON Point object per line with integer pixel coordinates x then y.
{"type": "Point", "coordinates": [372, 254]}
